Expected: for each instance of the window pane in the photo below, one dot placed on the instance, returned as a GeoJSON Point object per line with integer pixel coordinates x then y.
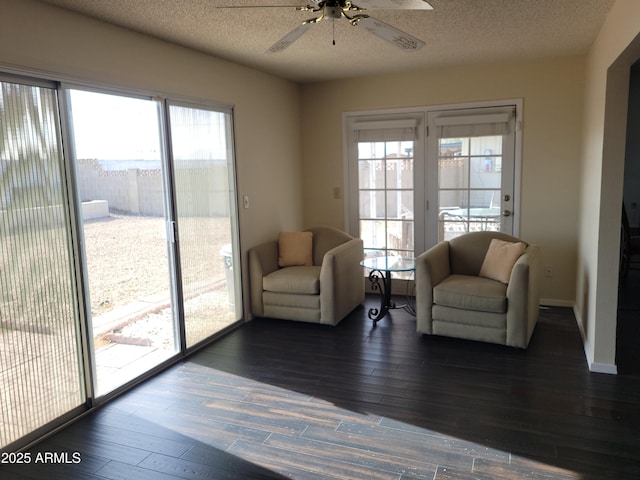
{"type": "Point", "coordinates": [490, 145]}
{"type": "Point", "coordinates": [400, 236]}
{"type": "Point", "coordinates": [453, 172]}
{"type": "Point", "coordinates": [371, 174]}
{"type": "Point", "coordinates": [368, 150]}
{"type": "Point", "coordinates": [373, 234]}
{"type": "Point", "coordinates": [400, 173]}
{"type": "Point", "coordinates": [40, 373]}
{"type": "Point", "coordinates": [372, 204]}
{"type": "Point", "coordinates": [399, 204]}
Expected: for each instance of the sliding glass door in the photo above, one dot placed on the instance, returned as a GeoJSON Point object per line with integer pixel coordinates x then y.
{"type": "Point", "coordinates": [121, 176]}
{"type": "Point", "coordinates": [204, 188]}
{"type": "Point", "coordinates": [118, 252]}
{"type": "Point", "coordinates": [41, 374]}
{"type": "Point", "coordinates": [156, 183]}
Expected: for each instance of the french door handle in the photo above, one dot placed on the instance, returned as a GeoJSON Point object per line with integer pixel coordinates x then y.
{"type": "Point", "coordinates": [506, 213]}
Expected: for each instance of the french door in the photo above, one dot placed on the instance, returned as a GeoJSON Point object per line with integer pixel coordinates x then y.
{"type": "Point", "coordinates": [384, 152]}
{"type": "Point", "coordinates": [471, 157]}
{"type": "Point", "coordinates": [416, 178]}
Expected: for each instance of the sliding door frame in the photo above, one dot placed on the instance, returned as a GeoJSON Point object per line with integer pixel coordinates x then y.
{"type": "Point", "coordinates": [232, 181]}
{"type": "Point", "coordinates": [164, 104]}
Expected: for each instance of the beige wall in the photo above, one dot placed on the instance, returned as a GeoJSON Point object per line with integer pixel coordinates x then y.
{"type": "Point", "coordinates": [552, 93]}
{"type": "Point", "coordinates": [602, 168]}
{"type": "Point", "coordinates": [62, 45]}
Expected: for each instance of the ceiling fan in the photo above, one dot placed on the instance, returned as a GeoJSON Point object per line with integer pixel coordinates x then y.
{"type": "Point", "coordinates": [337, 9]}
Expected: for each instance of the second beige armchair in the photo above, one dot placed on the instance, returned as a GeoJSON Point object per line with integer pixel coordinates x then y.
{"type": "Point", "coordinates": [454, 299]}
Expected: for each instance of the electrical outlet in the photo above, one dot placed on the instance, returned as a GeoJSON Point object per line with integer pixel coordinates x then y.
{"type": "Point", "coordinates": [548, 270]}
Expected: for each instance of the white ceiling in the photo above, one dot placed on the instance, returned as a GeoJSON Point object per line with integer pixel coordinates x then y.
{"type": "Point", "coordinates": [455, 31]}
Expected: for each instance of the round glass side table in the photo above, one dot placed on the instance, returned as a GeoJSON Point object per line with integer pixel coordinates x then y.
{"type": "Point", "coordinates": [380, 278]}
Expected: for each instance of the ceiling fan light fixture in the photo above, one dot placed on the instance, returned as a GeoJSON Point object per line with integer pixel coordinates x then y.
{"type": "Point", "coordinates": [337, 9]}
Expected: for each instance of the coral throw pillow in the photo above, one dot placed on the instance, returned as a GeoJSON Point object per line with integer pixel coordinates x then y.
{"type": "Point", "coordinates": [500, 258]}
{"type": "Point", "coordinates": [295, 248]}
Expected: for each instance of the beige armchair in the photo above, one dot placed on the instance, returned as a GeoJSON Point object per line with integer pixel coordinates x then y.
{"type": "Point", "coordinates": [453, 300]}
{"type": "Point", "coordinates": [324, 292]}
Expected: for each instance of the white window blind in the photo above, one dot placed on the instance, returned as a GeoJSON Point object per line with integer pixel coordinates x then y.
{"type": "Point", "coordinates": [386, 130]}
{"type": "Point", "coordinates": [473, 125]}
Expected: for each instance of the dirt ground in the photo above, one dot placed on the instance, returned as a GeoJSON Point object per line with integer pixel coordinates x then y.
{"type": "Point", "coordinates": [127, 261]}
{"type": "Point", "coordinates": [127, 256]}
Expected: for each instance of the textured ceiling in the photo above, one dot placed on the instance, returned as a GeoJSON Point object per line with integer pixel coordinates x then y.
{"type": "Point", "coordinates": [455, 31]}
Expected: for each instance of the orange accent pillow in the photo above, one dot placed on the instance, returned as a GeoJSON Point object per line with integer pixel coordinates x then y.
{"type": "Point", "coordinates": [500, 259]}
{"type": "Point", "coordinates": [295, 248]}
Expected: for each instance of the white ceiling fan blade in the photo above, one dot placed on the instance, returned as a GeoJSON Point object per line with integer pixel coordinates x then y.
{"type": "Point", "coordinates": [289, 38]}
{"type": "Point", "coordinates": [389, 33]}
{"type": "Point", "coordinates": [394, 4]}
{"type": "Point", "coordinates": [256, 6]}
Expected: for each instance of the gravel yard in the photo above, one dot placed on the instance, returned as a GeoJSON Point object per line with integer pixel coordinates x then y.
{"type": "Point", "coordinates": [127, 257]}
{"type": "Point", "coordinates": [127, 261]}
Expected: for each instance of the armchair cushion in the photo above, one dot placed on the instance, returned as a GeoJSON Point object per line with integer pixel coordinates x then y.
{"type": "Point", "coordinates": [295, 248]}
{"type": "Point", "coordinates": [471, 293]}
{"type": "Point", "coordinates": [500, 258]}
{"type": "Point", "coordinates": [298, 279]}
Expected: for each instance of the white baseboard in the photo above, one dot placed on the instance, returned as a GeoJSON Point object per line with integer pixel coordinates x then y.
{"type": "Point", "coordinates": [610, 369]}
{"type": "Point", "coordinates": [595, 367]}
{"type": "Point", "coordinates": [554, 302]}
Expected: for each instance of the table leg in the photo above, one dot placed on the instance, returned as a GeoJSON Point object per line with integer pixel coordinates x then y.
{"type": "Point", "coordinates": [384, 287]}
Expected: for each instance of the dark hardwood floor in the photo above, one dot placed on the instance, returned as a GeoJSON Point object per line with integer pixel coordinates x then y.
{"type": "Point", "coordinates": [280, 399]}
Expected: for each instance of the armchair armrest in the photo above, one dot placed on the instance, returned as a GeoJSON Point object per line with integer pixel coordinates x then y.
{"type": "Point", "coordinates": [523, 298]}
{"type": "Point", "coordinates": [263, 259]}
{"type": "Point", "coordinates": [341, 281]}
{"type": "Point", "coordinates": [432, 267]}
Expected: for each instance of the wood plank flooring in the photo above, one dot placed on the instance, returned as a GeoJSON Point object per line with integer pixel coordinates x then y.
{"type": "Point", "coordinates": [280, 399]}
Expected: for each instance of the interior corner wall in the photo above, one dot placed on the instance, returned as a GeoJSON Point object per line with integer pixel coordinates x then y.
{"type": "Point", "coordinates": [601, 178]}
{"type": "Point", "coordinates": [61, 45]}
{"type": "Point", "coordinates": [551, 90]}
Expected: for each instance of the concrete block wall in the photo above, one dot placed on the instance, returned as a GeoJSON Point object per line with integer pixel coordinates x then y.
{"type": "Point", "coordinates": [201, 191]}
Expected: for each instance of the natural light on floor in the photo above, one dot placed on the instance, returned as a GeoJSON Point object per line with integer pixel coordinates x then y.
{"type": "Point", "coordinates": [282, 430]}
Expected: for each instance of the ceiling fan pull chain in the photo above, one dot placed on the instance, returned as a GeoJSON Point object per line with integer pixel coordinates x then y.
{"type": "Point", "coordinates": [334, 30]}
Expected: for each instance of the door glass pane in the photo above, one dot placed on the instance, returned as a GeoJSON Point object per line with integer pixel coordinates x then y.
{"type": "Point", "coordinates": [40, 370]}
{"type": "Point", "coordinates": [386, 179]}
{"type": "Point", "coordinates": [470, 178]}
{"type": "Point", "coordinates": [120, 179]}
{"type": "Point", "coordinates": [204, 189]}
